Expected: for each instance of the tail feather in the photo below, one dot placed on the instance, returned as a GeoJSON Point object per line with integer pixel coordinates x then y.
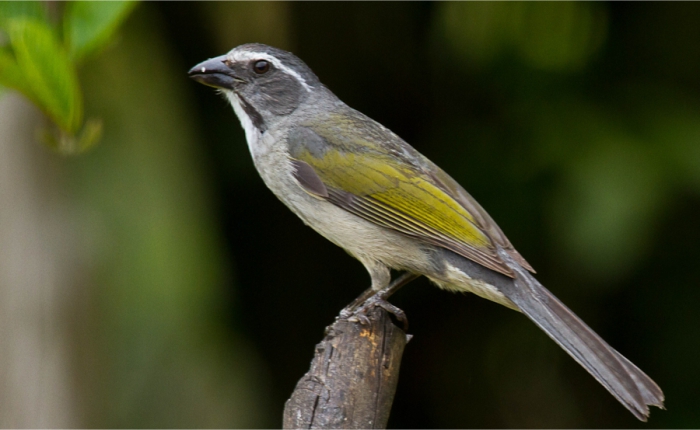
{"type": "Point", "coordinates": [651, 392]}
{"type": "Point", "coordinates": [634, 389]}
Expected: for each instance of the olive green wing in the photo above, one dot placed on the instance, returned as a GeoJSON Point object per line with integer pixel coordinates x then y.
{"type": "Point", "coordinates": [389, 186]}
{"type": "Point", "coordinates": [482, 218]}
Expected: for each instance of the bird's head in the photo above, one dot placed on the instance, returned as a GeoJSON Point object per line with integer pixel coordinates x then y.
{"type": "Point", "coordinates": [263, 83]}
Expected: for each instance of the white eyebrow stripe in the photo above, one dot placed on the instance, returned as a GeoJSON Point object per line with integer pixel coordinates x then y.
{"type": "Point", "coordinates": [247, 55]}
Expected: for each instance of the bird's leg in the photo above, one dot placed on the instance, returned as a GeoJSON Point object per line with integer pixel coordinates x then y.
{"type": "Point", "coordinates": [371, 297]}
{"type": "Point", "coordinates": [349, 309]}
{"type": "Point", "coordinates": [381, 277]}
{"type": "Point", "coordinates": [396, 285]}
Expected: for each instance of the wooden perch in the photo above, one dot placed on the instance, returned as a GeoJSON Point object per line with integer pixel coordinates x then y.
{"type": "Point", "coordinates": [353, 376]}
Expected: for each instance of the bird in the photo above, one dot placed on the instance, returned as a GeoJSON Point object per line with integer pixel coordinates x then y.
{"type": "Point", "coordinates": [369, 192]}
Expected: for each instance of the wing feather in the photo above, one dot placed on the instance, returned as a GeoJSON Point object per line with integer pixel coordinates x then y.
{"type": "Point", "coordinates": [395, 187]}
{"type": "Point", "coordinates": [380, 214]}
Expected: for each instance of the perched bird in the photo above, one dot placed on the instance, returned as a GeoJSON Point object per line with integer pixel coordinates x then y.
{"type": "Point", "coordinates": [363, 188]}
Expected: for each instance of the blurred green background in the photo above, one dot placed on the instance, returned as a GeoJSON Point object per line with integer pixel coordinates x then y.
{"type": "Point", "coordinates": [153, 281]}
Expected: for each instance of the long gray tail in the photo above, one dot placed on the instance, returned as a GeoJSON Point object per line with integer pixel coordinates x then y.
{"type": "Point", "coordinates": [632, 387]}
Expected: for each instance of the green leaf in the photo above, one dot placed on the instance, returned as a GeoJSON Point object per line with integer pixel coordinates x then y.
{"type": "Point", "coordinates": [21, 9]}
{"type": "Point", "coordinates": [89, 25]}
{"type": "Point", "coordinates": [69, 144]}
{"type": "Point", "coordinates": [90, 135]}
{"type": "Point", "coordinates": [11, 76]}
{"type": "Point", "coordinates": [43, 72]}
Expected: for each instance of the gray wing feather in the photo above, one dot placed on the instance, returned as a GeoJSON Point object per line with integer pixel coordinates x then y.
{"type": "Point", "coordinates": [308, 179]}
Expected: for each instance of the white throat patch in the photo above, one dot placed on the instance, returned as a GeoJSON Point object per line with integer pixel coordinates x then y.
{"type": "Point", "coordinates": [252, 134]}
{"type": "Point", "coordinates": [247, 56]}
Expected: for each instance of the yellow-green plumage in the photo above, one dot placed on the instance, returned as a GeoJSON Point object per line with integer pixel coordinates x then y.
{"type": "Point", "coordinates": [397, 189]}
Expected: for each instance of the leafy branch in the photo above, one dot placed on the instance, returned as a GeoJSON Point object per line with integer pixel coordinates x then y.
{"type": "Point", "coordinates": [39, 58]}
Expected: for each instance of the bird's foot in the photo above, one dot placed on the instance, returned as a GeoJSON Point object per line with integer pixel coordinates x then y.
{"type": "Point", "coordinates": [357, 310]}
{"type": "Point", "coordinates": [360, 313]}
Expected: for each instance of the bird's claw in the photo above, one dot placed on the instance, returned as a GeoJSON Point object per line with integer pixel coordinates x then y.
{"type": "Point", "coordinates": [359, 317]}
{"type": "Point", "coordinates": [359, 314]}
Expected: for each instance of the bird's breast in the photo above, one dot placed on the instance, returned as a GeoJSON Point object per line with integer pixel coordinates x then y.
{"type": "Point", "coordinates": [362, 239]}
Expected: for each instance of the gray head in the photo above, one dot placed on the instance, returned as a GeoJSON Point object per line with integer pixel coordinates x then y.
{"type": "Point", "coordinates": [262, 83]}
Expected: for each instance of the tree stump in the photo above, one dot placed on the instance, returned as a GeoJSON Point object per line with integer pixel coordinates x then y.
{"type": "Point", "coordinates": [353, 376]}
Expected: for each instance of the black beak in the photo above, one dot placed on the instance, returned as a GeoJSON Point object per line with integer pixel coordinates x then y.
{"type": "Point", "coordinates": [214, 73]}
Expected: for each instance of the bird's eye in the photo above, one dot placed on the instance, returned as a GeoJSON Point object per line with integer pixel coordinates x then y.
{"type": "Point", "coordinates": [261, 66]}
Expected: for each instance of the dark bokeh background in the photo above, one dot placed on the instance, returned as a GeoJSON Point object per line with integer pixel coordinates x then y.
{"type": "Point", "coordinates": [576, 125]}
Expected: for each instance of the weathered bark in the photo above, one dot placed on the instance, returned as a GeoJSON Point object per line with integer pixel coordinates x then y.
{"type": "Point", "coordinates": [353, 376]}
